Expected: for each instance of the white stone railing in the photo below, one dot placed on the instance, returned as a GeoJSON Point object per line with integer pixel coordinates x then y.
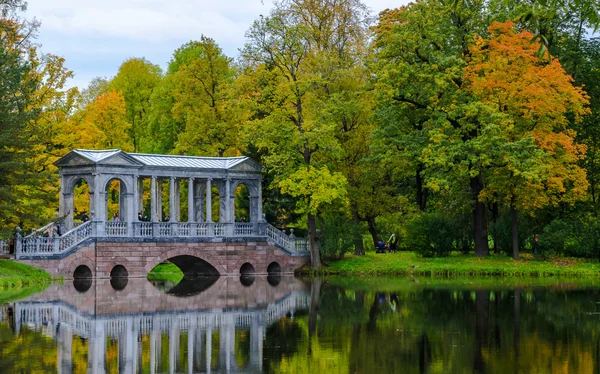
{"type": "Point", "coordinates": [243, 229]}
{"type": "Point", "coordinates": [115, 229]}
{"type": "Point", "coordinates": [48, 246]}
{"type": "Point", "coordinates": [4, 246]}
{"type": "Point", "coordinates": [41, 231]}
{"type": "Point", "coordinates": [44, 313]}
{"type": "Point", "coordinates": [289, 242]}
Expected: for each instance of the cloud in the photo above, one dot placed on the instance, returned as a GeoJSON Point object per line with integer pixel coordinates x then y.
{"type": "Point", "coordinates": [95, 37]}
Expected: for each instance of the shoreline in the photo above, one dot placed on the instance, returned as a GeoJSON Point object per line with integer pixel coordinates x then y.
{"type": "Point", "coordinates": [455, 265]}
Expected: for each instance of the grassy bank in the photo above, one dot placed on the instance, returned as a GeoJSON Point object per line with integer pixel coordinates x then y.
{"type": "Point", "coordinates": [166, 272]}
{"type": "Point", "coordinates": [408, 263]}
{"type": "Point", "coordinates": [14, 276]}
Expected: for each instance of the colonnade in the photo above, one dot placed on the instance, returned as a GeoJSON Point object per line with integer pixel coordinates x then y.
{"type": "Point", "coordinates": [131, 202]}
{"type": "Point", "coordinates": [199, 348]}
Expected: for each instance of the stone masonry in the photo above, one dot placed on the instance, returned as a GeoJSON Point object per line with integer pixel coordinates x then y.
{"type": "Point", "coordinates": [139, 258]}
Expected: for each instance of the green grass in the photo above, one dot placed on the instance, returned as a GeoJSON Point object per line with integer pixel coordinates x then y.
{"type": "Point", "coordinates": [408, 263]}
{"type": "Point", "coordinates": [166, 272]}
{"type": "Point", "coordinates": [14, 275]}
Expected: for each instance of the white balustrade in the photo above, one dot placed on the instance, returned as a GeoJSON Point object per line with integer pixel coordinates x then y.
{"type": "Point", "coordinates": [115, 229]}
{"type": "Point", "coordinates": [243, 229]}
{"type": "Point", "coordinates": [145, 229]}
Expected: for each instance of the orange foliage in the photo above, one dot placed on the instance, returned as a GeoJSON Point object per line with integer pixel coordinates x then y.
{"type": "Point", "coordinates": [540, 100]}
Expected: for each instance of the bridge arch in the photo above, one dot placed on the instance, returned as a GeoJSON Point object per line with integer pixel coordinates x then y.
{"type": "Point", "coordinates": [199, 263]}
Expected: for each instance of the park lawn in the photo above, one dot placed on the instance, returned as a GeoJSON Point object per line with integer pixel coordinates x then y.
{"type": "Point", "coordinates": [165, 272]}
{"type": "Point", "coordinates": [14, 275]}
{"type": "Point", "coordinates": [409, 263]}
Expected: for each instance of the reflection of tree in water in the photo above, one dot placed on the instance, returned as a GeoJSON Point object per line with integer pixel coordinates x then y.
{"type": "Point", "coordinates": [281, 341]}
{"type": "Point", "coordinates": [30, 352]}
{"type": "Point", "coordinates": [242, 347]}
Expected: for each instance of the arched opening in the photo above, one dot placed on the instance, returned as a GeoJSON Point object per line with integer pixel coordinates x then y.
{"type": "Point", "coordinates": [217, 209]}
{"type": "Point", "coordinates": [116, 207]}
{"type": "Point", "coordinates": [119, 283]}
{"type": "Point", "coordinates": [82, 272]}
{"type": "Point", "coordinates": [247, 280]}
{"type": "Point", "coordinates": [81, 202]}
{"type": "Point", "coordinates": [274, 279]}
{"type": "Point", "coordinates": [82, 284]}
{"type": "Point", "coordinates": [274, 268]}
{"type": "Point", "coordinates": [247, 268]}
{"type": "Point", "coordinates": [242, 203]}
{"type": "Point", "coordinates": [119, 271]}
{"type": "Point", "coordinates": [194, 266]}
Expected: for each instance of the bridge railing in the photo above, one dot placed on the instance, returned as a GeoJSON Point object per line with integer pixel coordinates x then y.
{"type": "Point", "coordinates": [48, 246]}
{"type": "Point", "coordinates": [4, 246]}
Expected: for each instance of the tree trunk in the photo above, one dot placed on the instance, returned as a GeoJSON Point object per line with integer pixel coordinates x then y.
{"type": "Point", "coordinates": [479, 219]}
{"type": "Point", "coordinates": [315, 303]}
{"type": "Point", "coordinates": [422, 192]}
{"type": "Point", "coordinates": [515, 229]}
{"type": "Point", "coordinates": [373, 230]}
{"type": "Point", "coordinates": [359, 248]}
{"type": "Point", "coordinates": [495, 214]}
{"type": "Point", "coordinates": [313, 241]}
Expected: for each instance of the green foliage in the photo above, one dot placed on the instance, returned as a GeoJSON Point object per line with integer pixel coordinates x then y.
{"type": "Point", "coordinates": [337, 239]}
{"type": "Point", "coordinates": [430, 235]}
{"type": "Point", "coordinates": [14, 275]}
{"type": "Point", "coordinates": [410, 263]}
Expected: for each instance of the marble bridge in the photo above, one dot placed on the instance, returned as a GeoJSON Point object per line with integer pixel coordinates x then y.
{"type": "Point", "coordinates": [142, 233]}
{"type": "Point", "coordinates": [103, 315]}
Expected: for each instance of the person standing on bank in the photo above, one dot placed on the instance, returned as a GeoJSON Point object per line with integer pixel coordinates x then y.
{"type": "Point", "coordinates": [392, 243]}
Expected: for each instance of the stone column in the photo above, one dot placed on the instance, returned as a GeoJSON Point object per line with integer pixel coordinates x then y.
{"type": "Point", "coordinates": [190, 350]}
{"type": "Point", "coordinates": [227, 344]}
{"type": "Point", "coordinates": [208, 348]}
{"type": "Point", "coordinates": [256, 345]}
{"type": "Point", "coordinates": [97, 214]}
{"type": "Point", "coordinates": [153, 209]}
{"type": "Point", "coordinates": [208, 200]}
{"type": "Point", "coordinates": [97, 348]}
{"type": "Point", "coordinates": [173, 347]}
{"type": "Point", "coordinates": [259, 212]}
{"type": "Point", "coordinates": [136, 198]}
{"type": "Point", "coordinates": [177, 210]}
{"type": "Point", "coordinates": [154, 336]}
{"type": "Point", "coordinates": [229, 201]}
{"type": "Point", "coordinates": [159, 207]}
{"type": "Point", "coordinates": [172, 217]}
{"type": "Point", "coordinates": [191, 215]}
{"type": "Point", "coordinates": [68, 210]}
{"type": "Point", "coordinates": [65, 348]}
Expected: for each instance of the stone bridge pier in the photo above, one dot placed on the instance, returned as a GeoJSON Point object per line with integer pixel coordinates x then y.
{"type": "Point", "coordinates": [107, 259]}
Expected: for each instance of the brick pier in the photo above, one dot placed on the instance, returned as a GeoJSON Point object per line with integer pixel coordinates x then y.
{"type": "Point", "coordinates": [139, 258]}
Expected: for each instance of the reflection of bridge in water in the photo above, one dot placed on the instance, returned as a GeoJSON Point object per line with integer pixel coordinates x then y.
{"type": "Point", "coordinates": [190, 332]}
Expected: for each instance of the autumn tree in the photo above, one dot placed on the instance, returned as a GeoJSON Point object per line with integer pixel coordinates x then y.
{"type": "Point", "coordinates": [421, 53]}
{"type": "Point", "coordinates": [303, 46]}
{"type": "Point", "coordinates": [136, 80]}
{"type": "Point", "coordinates": [532, 153]}
{"type": "Point", "coordinates": [204, 101]}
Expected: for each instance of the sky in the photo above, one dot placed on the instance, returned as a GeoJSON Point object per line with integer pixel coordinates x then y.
{"type": "Point", "coordinates": [96, 36]}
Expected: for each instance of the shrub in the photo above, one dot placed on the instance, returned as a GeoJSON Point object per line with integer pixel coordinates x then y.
{"type": "Point", "coordinates": [338, 236]}
{"type": "Point", "coordinates": [431, 235]}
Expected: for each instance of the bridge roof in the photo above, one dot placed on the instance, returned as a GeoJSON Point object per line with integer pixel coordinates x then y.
{"type": "Point", "coordinates": [78, 157]}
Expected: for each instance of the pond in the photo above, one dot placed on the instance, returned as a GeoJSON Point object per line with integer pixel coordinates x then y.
{"type": "Point", "coordinates": [289, 325]}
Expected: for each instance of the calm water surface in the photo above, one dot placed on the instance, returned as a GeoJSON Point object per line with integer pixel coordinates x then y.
{"type": "Point", "coordinates": [283, 324]}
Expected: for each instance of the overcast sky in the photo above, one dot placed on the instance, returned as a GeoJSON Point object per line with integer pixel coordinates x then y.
{"type": "Point", "coordinates": [96, 36]}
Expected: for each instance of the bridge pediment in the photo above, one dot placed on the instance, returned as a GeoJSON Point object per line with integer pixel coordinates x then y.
{"type": "Point", "coordinates": [81, 157]}
{"type": "Point", "coordinates": [246, 164]}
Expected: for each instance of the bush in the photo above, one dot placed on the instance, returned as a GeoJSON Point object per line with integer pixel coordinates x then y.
{"type": "Point", "coordinates": [338, 236]}
{"type": "Point", "coordinates": [431, 235]}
